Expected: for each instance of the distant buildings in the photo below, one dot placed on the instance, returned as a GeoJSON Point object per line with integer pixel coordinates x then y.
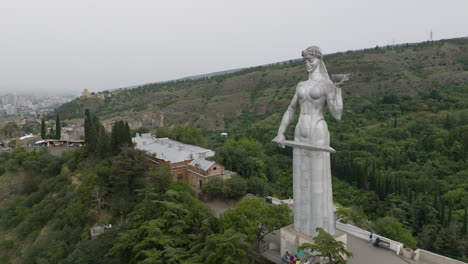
{"type": "Point", "coordinates": [58, 143]}
{"type": "Point", "coordinates": [72, 132]}
{"type": "Point", "coordinates": [85, 93]}
{"type": "Point", "coordinates": [102, 95]}
{"type": "Point", "coordinates": [29, 106]}
{"type": "Point", "coordinates": [4, 144]}
{"type": "Point", "coordinates": [10, 109]}
{"type": "Point", "coordinates": [188, 163]}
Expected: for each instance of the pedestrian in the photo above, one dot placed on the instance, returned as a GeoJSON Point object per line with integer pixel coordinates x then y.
{"type": "Point", "coordinates": [293, 260]}
{"type": "Point", "coordinates": [285, 258]}
{"type": "Point", "coordinates": [370, 239]}
{"type": "Point", "coordinates": [377, 242]}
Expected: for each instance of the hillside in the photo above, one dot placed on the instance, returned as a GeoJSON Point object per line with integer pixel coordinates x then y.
{"type": "Point", "coordinates": [400, 169]}
{"type": "Point", "coordinates": [212, 103]}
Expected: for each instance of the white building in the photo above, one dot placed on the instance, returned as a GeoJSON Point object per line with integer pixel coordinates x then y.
{"type": "Point", "coordinates": [170, 150]}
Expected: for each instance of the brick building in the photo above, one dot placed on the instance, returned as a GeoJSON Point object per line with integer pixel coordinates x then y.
{"type": "Point", "coordinates": [188, 163]}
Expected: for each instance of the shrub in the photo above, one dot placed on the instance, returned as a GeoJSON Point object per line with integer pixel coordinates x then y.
{"type": "Point", "coordinates": [390, 227]}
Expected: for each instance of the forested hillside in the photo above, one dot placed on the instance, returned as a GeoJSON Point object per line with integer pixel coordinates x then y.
{"type": "Point", "coordinates": [401, 166]}
{"type": "Point", "coordinates": [48, 205]}
{"type": "Point", "coordinates": [219, 101]}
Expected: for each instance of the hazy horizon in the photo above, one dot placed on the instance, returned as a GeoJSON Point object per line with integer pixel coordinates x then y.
{"type": "Point", "coordinates": [58, 47]}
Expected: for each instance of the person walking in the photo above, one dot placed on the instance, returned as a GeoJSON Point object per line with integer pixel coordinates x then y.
{"type": "Point", "coordinates": [370, 239]}
{"type": "Point", "coordinates": [285, 259]}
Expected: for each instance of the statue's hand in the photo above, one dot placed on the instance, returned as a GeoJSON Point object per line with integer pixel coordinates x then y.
{"type": "Point", "coordinates": [340, 79]}
{"type": "Point", "coordinates": [345, 79]}
{"type": "Point", "coordinates": [280, 140]}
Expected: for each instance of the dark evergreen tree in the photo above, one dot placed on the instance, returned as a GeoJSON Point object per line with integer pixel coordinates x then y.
{"type": "Point", "coordinates": [102, 144]}
{"type": "Point", "coordinates": [95, 126]}
{"type": "Point", "coordinates": [87, 126]}
{"type": "Point", "coordinates": [114, 143]}
{"type": "Point", "coordinates": [465, 221]}
{"type": "Point", "coordinates": [120, 136]}
{"type": "Point", "coordinates": [128, 135]}
{"type": "Point", "coordinates": [51, 133]}
{"type": "Point", "coordinates": [43, 129]}
{"type": "Point", "coordinates": [96, 138]}
{"type": "Point", "coordinates": [58, 128]}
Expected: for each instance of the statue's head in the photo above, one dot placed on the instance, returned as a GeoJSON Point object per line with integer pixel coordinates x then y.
{"type": "Point", "coordinates": [312, 57]}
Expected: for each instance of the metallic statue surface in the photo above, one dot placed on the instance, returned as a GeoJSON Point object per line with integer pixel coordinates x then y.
{"type": "Point", "coordinates": [312, 188]}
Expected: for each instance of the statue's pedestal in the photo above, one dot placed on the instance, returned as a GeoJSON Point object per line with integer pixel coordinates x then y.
{"type": "Point", "coordinates": [291, 239]}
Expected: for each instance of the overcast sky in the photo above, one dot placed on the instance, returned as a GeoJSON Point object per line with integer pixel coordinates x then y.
{"type": "Point", "coordinates": [62, 46]}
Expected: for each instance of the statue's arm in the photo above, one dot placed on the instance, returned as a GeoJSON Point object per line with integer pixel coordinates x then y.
{"type": "Point", "coordinates": [287, 118]}
{"type": "Point", "coordinates": [335, 102]}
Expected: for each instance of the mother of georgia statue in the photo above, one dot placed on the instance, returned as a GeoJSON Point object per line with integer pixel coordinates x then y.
{"type": "Point", "coordinates": [312, 188]}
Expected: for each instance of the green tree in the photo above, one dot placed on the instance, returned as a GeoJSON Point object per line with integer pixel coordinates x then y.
{"type": "Point", "coordinates": [184, 134]}
{"type": "Point", "coordinates": [258, 187]}
{"type": "Point", "coordinates": [390, 227]}
{"type": "Point", "coordinates": [120, 136]}
{"type": "Point", "coordinates": [162, 132]}
{"type": "Point", "coordinates": [451, 198]}
{"type": "Point", "coordinates": [96, 137]}
{"type": "Point", "coordinates": [43, 129]}
{"type": "Point", "coordinates": [324, 245]}
{"type": "Point", "coordinates": [89, 136]}
{"type": "Point", "coordinates": [58, 128]}
{"type": "Point", "coordinates": [11, 130]}
{"type": "Point", "coordinates": [166, 234]}
{"type": "Point", "coordinates": [232, 188]}
{"type": "Point", "coordinates": [140, 130]}
{"type": "Point", "coordinates": [12, 144]}
{"type": "Point", "coordinates": [214, 188]}
{"type": "Point", "coordinates": [228, 248]}
{"type": "Point", "coordinates": [236, 187]}
{"type": "Point", "coordinates": [245, 156]}
{"type": "Point", "coordinates": [465, 213]}
{"type": "Point", "coordinates": [255, 218]}
{"type": "Point", "coordinates": [127, 135]}
{"type": "Point", "coordinates": [102, 143]}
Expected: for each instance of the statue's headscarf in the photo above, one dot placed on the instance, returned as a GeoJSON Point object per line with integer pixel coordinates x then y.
{"type": "Point", "coordinates": [312, 52]}
{"type": "Point", "coordinates": [315, 52]}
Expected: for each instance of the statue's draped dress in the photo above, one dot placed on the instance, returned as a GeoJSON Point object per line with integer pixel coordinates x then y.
{"type": "Point", "coordinates": [313, 202]}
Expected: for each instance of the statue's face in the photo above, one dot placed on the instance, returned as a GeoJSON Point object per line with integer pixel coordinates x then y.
{"type": "Point", "coordinates": [311, 64]}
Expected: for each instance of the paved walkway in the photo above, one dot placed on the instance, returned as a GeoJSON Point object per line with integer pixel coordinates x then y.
{"type": "Point", "coordinates": [365, 254]}
{"type": "Point", "coordinates": [362, 252]}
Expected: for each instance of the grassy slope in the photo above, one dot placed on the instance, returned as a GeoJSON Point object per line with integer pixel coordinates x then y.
{"type": "Point", "coordinates": [211, 103]}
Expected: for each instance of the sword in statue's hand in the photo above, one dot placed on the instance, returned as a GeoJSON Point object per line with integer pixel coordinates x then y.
{"type": "Point", "coordinates": [301, 145]}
